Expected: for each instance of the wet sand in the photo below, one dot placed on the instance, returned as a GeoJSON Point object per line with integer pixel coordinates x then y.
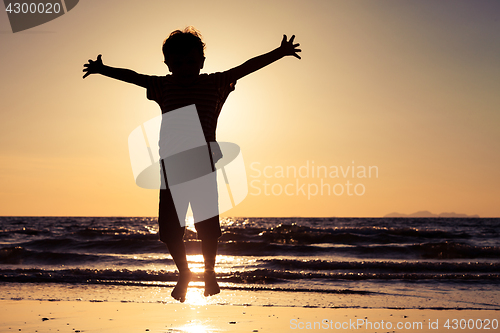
{"type": "Point", "coordinates": [232, 311]}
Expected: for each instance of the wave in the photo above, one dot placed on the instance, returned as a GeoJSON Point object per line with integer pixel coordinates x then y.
{"type": "Point", "coordinates": [108, 245]}
{"type": "Point", "coordinates": [20, 256]}
{"type": "Point", "coordinates": [442, 250]}
{"type": "Point", "coordinates": [254, 277]}
{"type": "Point", "coordinates": [354, 235]}
{"type": "Point", "coordinates": [453, 250]}
{"type": "Point", "coordinates": [69, 250]}
{"type": "Point", "coordinates": [381, 266]}
{"type": "Point", "coordinates": [23, 231]}
{"type": "Point", "coordinates": [303, 235]}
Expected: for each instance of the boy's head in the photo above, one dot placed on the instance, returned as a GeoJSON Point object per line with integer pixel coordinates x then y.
{"type": "Point", "coordinates": [184, 52]}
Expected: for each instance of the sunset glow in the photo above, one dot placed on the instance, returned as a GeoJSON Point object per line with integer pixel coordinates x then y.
{"type": "Point", "coordinates": [408, 88]}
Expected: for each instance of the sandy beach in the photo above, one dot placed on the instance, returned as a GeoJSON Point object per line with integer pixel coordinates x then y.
{"type": "Point", "coordinates": [82, 316]}
{"type": "Point", "coordinates": [52, 308]}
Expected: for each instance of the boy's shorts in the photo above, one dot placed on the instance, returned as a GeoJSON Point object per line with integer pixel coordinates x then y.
{"type": "Point", "coordinates": [168, 220]}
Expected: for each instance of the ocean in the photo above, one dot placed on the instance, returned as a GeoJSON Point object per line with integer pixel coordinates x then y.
{"type": "Point", "coordinates": [338, 262]}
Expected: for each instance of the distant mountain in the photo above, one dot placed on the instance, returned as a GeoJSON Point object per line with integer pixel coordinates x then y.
{"type": "Point", "coordinates": [425, 213]}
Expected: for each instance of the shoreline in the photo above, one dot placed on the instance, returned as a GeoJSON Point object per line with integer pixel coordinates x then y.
{"type": "Point", "coordinates": [53, 307]}
{"type": "Point", "coordinates": [124, 317]}
{"type": "Point", "coordinates": [418, 299]}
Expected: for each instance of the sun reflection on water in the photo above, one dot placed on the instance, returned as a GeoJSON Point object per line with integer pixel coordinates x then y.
{"type": "Point", "coordinates": [196, 263]}
{"type": "Point", "coordinates": [194, 296]}
{"type": "Point", "coordinates": [194, 328]}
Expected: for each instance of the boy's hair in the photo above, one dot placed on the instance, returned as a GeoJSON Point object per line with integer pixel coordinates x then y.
{"type": "Point", "coordinates": [180, 42]}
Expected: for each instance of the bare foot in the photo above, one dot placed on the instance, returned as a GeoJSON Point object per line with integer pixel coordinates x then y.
{"type": "Point", "coordinates": [211, 285]}
{"type": "Point", "coordinates": [179, 292]}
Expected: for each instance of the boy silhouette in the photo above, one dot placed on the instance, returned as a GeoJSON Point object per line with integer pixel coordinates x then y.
{"type": "Point", "coordinates": [184, 56]}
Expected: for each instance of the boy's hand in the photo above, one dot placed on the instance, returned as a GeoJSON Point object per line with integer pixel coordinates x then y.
{"type": "Point", "coordinates": [288, 48]}
{"type": "Point", "coordinates": [285, 49]}
{"type": "Point", "coordinates": [93, 67]}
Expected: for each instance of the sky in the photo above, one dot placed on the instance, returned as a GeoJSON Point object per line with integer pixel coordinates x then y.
{"type": "Point", "coordinates": [407, 90]}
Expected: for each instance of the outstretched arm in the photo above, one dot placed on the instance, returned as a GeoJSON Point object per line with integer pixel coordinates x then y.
{"type": "Point", "coordinates": [126, 75]}
{"type": "Point", "coordinates": [287, 48]}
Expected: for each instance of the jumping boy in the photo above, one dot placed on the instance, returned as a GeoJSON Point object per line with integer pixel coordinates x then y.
{"type": "Point", "coordinates": [184, 56]}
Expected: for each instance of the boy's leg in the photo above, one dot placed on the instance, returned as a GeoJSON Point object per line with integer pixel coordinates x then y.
{"type": "Point", "coordinates": [209, 250]}
{"type": "Point", "coordinates": [178, 252]}
{"type": "Point", "coordinates": [209, 231]}
{"type": "Point", "coordinates": [171, 233]}
{"type": "Point", "coordinates": [205, 205]}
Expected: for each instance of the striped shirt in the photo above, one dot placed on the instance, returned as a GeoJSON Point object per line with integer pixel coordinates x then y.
{"type": "Point", "coordinates": [208, 92]}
